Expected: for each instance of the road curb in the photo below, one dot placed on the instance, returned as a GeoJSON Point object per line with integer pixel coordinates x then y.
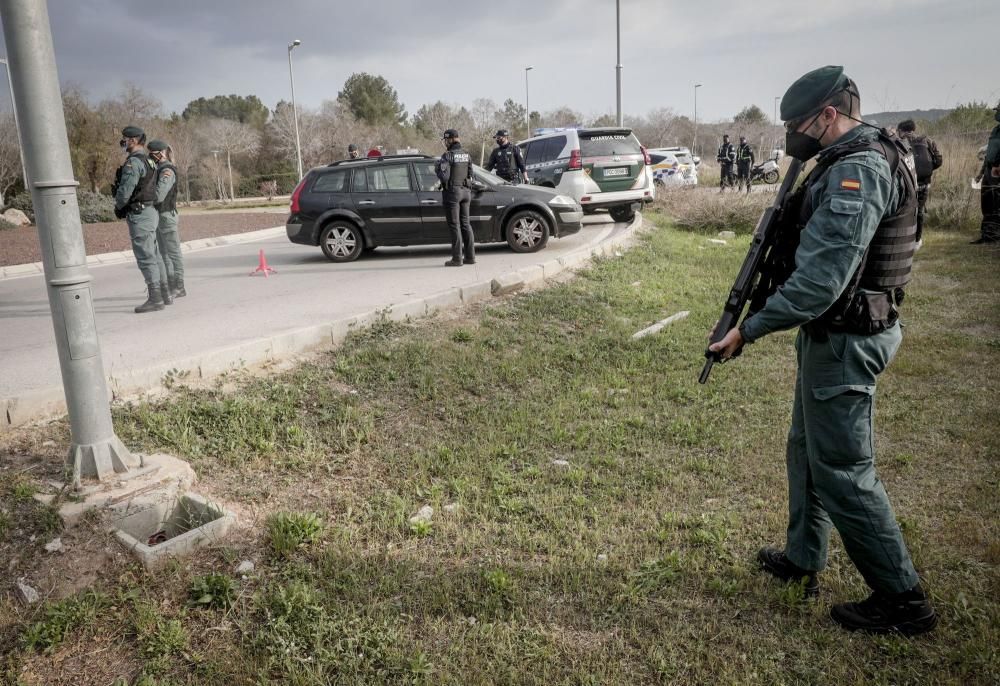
{"type": "Point", "coordinates": [35, 268]}
{"type": "Point", "coordinates": [126, 383]}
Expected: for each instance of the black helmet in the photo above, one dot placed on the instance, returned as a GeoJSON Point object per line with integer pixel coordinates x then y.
{"type": "Point", "coordinates": [352, 148]}
{"type": "Point", "coordinates": [502, 133]}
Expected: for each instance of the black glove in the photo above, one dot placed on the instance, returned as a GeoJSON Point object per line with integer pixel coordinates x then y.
{"type": "Point", "coordinates": [121, 213]}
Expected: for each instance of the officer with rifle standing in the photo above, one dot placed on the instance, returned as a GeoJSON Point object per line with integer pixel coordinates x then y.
{"type": "Point", "coordinates": [454, 171]}
{"type": "Point", "coordinates": [135, 195]}
{"type": "Point", "coordinates": [832, 258]}
{"type": "Point", "coordinates": [506, 159]}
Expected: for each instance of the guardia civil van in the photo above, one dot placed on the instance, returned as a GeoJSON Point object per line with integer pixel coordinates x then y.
{"type": "Point", "coordinates": [602, 167]}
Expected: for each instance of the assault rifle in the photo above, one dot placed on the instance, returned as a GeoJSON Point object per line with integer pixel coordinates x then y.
{"type": "Point", "coordinates": [764, 257]}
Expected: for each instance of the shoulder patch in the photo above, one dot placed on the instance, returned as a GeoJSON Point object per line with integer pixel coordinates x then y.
{"type": "Point", "coordinates": [166, 172]}
{"type": "Point", "coordinates": [851, 185]}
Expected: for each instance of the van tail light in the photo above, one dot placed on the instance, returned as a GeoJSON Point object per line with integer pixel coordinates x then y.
{"type": "Point", "coordinates": [645, 155]}
{"type": "Point", "coordinates": [575, 160]}
{"type": "Point", "coordinates": [295, 197]}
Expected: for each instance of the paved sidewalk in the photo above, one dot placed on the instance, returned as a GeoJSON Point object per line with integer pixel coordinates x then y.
{"type": "Point", "coordinates": [230, 319]}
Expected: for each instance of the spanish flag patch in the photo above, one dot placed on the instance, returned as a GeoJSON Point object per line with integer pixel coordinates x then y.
{"type": "Point", "coordinates": [850, 185]}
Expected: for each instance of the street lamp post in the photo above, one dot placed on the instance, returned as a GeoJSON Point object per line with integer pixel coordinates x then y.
{"type": "Point", "coordinates": [295, 113]}
{"type": "Point", "coordinates": [618, 64]}
{"type": "Point", "coordinates": [95, 450]}
{"type": "Point", "coordinates": [694, 145]}
{"type": "Point", "coordinates": [17, 126]}
{"type": "Point", "coordinates": [527, 106]}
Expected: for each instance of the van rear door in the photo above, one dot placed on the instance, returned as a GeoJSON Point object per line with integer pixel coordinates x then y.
{"type": "Point", "coordinates": [612, 158]}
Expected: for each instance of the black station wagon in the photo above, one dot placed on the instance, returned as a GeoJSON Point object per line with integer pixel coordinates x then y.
{"type": "Point", "coordinates": [353, 206]}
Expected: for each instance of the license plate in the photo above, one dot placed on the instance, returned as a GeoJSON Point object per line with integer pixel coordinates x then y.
{"type": "Point", "coordinates": [616, 171]}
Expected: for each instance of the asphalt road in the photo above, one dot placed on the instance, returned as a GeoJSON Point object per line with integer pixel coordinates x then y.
{"type": "Point", "coordinates": [226, 307]}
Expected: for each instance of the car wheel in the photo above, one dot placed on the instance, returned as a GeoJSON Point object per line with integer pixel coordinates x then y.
{"type": "Point", "coordinates": [341, 242]}
{"type": "Point", "coordinates": [771, 177]}
{"type": "Point", "coordinates": [527, 231]}
{"type": "Point", "coordinates": [622, 213]}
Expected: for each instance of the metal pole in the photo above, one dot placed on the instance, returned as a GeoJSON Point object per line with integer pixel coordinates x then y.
{"type": "Point", "coordinates": [295, 111]}
{"type": "Point", "coordinates": [618, 64]}
{"type": "Point", "coordinates": [694, 145]}
{"type": "Point", "coordinates": [17, 126]}
{"type": "Point", "coordinates": [95, 451]}
{"type": "Point", "coordinates": [527, 106]}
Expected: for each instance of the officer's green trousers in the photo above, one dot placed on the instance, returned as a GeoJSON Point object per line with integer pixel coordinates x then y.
{"type": "Point", "coordinates": [831, 460]}
{"type": "Point", "coordinates": [142, 231]}
{"type": "Point", "coordinates": [169, 242]}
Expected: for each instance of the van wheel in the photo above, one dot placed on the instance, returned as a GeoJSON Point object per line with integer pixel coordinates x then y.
{"type": "Point", "coordinates": [341, 241]}
{"type": "Point", "coordinates": [527, 231]}
{"type": "Point", "coordinates": [622, 213]}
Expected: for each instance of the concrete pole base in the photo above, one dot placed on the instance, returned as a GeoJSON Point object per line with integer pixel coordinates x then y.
{"type": "Point", "coordinates": [100, 461]}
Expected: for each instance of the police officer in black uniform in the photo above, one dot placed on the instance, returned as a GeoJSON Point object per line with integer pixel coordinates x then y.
{"type": "Point", "coordinates": [506, 159]}
{"type": "Point", "coordinates": [454, 170]}
{"type": "Point", "coordinates": [725, 157]}
{"type": "Point", "coordinates": [744, 162]}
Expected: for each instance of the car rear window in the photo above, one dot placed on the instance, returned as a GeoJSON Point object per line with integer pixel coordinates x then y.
{"type": "Point", "coordinates": [394, 177]}
{"type": "Point", "coordinates": [602, 144]}
{"type": "Point", "coordinates": [333, 182]}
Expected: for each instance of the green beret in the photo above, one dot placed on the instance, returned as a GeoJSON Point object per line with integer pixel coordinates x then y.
{"type": "Point", "coordinates": [133, 132]}
{"type": "Point", "coordinates": [156, 145]}
{"type": "Point", "coordinates": [807, 95]}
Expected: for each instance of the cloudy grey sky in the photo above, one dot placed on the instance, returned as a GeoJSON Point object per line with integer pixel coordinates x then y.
{"type": "Point", "coordinates": [904, 54]}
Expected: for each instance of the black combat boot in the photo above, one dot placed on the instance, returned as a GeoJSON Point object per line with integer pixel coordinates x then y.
{"type": "Point", "coordinates": [908, 613]}
{"type": "Point", "coordinates": [453, 263]}
{"type": "Point", "coordinates": [153, 303]}
{"type": "Point", "coordinates": [177, 288]}
{"type": "Point", "coordinates": [774, 562]}
{"type": "Point", "coordinates": [165, 294]}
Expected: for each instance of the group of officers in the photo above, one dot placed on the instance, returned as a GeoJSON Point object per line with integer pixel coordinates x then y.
{"type": "Point", "coordinates": [728, 156]}
{"type": "Point", "coordinates": [454, 171]}
{"type": "Point", "coordinates": [145, 195]}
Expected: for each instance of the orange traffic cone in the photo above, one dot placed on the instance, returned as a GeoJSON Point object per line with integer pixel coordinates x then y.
{"type": "Point", "coordinates": [262, 266]}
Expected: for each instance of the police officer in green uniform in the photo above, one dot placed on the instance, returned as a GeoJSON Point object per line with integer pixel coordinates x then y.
{"type": "Point", "coordinates": [454, 171]}
{"type": "Point", "coordinates": [989, 194]}
{"type": "Point", "coordinates": [167, 237]}
{"type": "Point", "coordinates": [135, 195]}
{"type": "Point", "coordinates": [855, 215]}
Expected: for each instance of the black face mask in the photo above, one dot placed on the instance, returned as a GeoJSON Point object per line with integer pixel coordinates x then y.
{"type": "Point", "coordinates": [122, 143]}
{"type": "Point", "coordinates": [801, 145]}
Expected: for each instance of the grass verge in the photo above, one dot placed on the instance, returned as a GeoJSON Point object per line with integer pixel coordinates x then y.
{"type": "Point", "coordinates": [595, 511]}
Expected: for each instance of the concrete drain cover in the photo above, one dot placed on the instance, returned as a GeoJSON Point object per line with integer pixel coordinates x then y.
{"type": "Point", "coordinates": [172, 527]}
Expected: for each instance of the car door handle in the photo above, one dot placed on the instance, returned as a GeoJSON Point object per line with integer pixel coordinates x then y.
{"type": "Point", "coordinates": [428, 202]}
{"type": "Point", "coordinates": [366, 202]}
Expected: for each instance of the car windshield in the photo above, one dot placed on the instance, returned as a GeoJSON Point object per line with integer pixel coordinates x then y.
{"type": "Point", "coordinates": [611, 143]}
{"type": "Point", "coordinates": [489, 177]}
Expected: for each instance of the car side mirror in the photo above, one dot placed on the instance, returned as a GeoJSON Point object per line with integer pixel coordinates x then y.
{"type": "Point", "coordinates": [478, 186]}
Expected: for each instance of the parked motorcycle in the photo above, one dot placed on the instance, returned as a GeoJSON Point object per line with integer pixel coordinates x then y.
{"type": "Point", "coordinates": [766, 172]}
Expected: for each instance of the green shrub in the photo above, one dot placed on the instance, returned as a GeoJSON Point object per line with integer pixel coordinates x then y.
{"type": "Point", "coordinates": [61, 619]}
{"type": "Point", "coordinates": [212, 590]}
{"type": "Point", "coordinates": [288, 531]}
{"type": "Point", "coordinates": [94, 207]}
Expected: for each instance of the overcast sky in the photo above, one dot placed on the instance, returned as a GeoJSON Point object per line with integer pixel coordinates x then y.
{"type": "Point", "coordinates": [904, 54]}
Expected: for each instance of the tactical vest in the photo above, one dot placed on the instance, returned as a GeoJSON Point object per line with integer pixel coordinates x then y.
{"type": "Point", "coordinates": [506, 166]}
{"type": "Point", "coordinates": [888, 261]}
{"type": "Point", "coordinates": [145, 190]}
{"type": "Point", "coordinates": [461, 168]}
{"type": "Point", "coordinates": [744, 154]}
{"type": "Point", "coordinates": [725, 152]}
{"type": "Point", "coordinates": [922, 159]}
{"type": "Point", "coordinates": [169, 203]}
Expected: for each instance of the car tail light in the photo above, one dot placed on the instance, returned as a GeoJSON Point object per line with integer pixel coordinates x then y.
{"type": "Point", "coordinates": [645, 155]}
{"type": "Point", "coordinates": [295, 196]}
{"type": "Point", "coordinates": [575, 160]}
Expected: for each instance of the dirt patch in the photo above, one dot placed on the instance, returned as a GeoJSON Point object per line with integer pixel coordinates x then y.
{"type": "Point", "coordinates": [20, 245]}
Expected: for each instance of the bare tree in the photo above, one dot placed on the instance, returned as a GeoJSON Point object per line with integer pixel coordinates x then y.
{"type": "Point", "coordinates": [485, 121]}
{"type": "Point", "coordinates": [229, 138]}
{"type": "Point", "coordinates": [10, 155]}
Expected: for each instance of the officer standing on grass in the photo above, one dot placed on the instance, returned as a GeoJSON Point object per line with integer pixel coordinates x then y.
{"type": "Point", "coordinates": [744, 161]}
{"type": "Point", "coordinates": [135, 195]}
{"type": "Point", "coordinates": [989, 194]}
{"type": "Point", "coordinates": [454, 170]}
{"type": "Point", "coordinates": [167, 236]}
{"type": "Point", "coordinates": [926, 158]}
{"type": "Point", "coordinates": [857, 211]}
{"type": "Point", "coordinates": [506, 159]}
{"type": "Point", "coordinates": [725, 157]}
